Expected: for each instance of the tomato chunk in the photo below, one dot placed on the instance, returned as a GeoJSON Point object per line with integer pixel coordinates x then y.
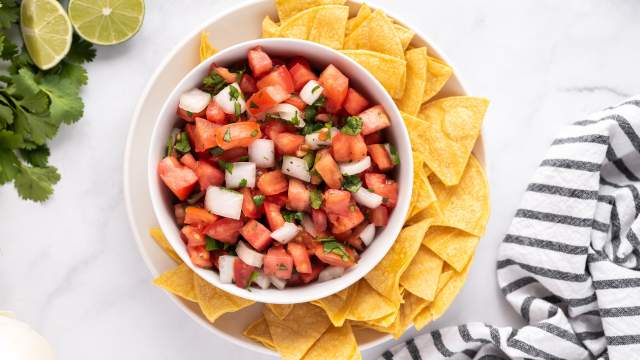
{"type": "Point", "coordinates": [242, 273]}
{"type": "Point", "coordinates": [272, 128]}
{"type": "Point", "coordinates": [300, 257]}
{"type": "Point", "coordinates": [274, 216]}
{"type": "Point", "coordinates": [380, 216]}
{"type": "Point", "coordinates": [215, 114]}
{"type": "Point", "coordinates": [240, 134]}
{"type": "Point", "coordinates": [256, 234]}
{"type": "Point", "coordinates": [287, 143]}
{"type": "Point", "coordinates": [272, 182]}
{"type": "Point", "coordinates": [301, 75]}
{"type": "Point", "coordinates": [328, 169]}
{"type": "Point", "coordinates": [335, 85]}
{"type": "Point", "coordinates": [265, 99]}
{"type": "Point", "coordinates": [298, 195]}
{"type": "Point", "coordinates": [337, 201]}
{"type": "Point", "coordinates": [374, 119]}
{"type": "Point", "coordinates": [296, 101]}
{"type": "Point", "coordinates": [189, 116]}
{"type": "Point", "coordinates": [278, 199]}
{"type": "Point", "coordinates": [205, 132]}
{"type": "Point", "coordinates": [354, 103]}
{"type": "Point", "coordinates": [225, 230]}
{"type": "Point", "coordinates": [278, 263]}
{"type": "Point", "coordinates": [248, 85]}
{"type": "Point", "coordinates": [279, 76]}
{"type": "Point", "coordinates": [374, 138]}
{"type": "Point", "coordinates": [379, 184]}
{"type": "Point", "coordinates": [189, 161]}
{"type": "Point", "coordinates": [334, 259]}
{"type": "Point", "coordinates": [319, 218]}
{"type": "Point", "coordinates": [380, 157]}
{"type": "Point", "coordinates": [344, 222]}
{"type": "Point", "coordinates": [259, 62]}
{"type": "Point", "coordinates": [200, 256]}
{"type": "Point", "coordinates": [249, 207]}
{"type": "Point", "coordinates": [316, 268]}
{"type": "Point", "coordinates": [177, 177]}
{"type": "Point", "coordinates": [193, 235]}
{"type": "Point", "coordinates": [227, 75]}
{"type": "Point", "coordinates": [348, 147]}
{"type": "Point", "coordinates": [208, 175]}
{"type": "Point", "coordinates": [198, 216]}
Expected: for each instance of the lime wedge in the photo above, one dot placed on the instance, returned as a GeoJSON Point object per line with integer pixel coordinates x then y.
{"type": "Point", "coordinates": [46, 31]}
{"type": "Point", "coordinates": [106, 22]}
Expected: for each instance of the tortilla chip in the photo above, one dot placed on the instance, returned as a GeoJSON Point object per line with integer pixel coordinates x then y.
{"type": "Point", "coordinates": [376, 33]}
{"type": "Point", "coordinates": [382, 324]}
{"type": "Point", "coordinates": [258, 331]}
{"type": "Point", "coordinates": [437, 76]}
{"type": "Point", "coordinates": [289, 8]}
{"type": "Point", "coordinates": [404, 34]}
{"type": "Point", "coordinates": [424, 193]}
{"type": "Point", "coordinates": [416, 81]}
{"type": "Point", "coordinates": [178, 281]}
{"type": "Point", "coordinates": [421, 277]}
{"type": "Point", "coordinates": [335, 343]}
{"type": "Point", "coordinates": [363, 13]}
{"type": "Point", "coordinates": [280, 310]}
{"type": "Point", "coordinates": [206, 49]}
{"type": "Point", "coordinates": [385, 277]}
{"type": "Point", "coordinates": [161, 240]}
{"type": "Point", "coordinates": [367, 304]}
{"type": "Point", "coordinates": [410, 308]}
{"type": "Point", "coordinates": [451, 127]}
{"type": "Point", "coordinates": [215, 302]}
{"type": "Point", "coordinates": [299, 26]}
{"type": "Point", "coordinates": [336, 306]}
{"type": "Point", "coordinates": [454, 246]}
{"type": "Point", "coordinates": [269, 28]}
{"type": "Point", "coordinates": [465, 206]}
{"type": "Point", "coordinates": [298, 331]}
{"type": "Point", "coordinates": [389, 70]}
{"type": "Point", "coordinates": [418, 160]}
{"type": "Point", "coordinates": [329, 26]}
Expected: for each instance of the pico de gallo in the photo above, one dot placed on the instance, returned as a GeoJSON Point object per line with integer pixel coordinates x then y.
{"type": "Point", "coordinates": [281, 174]}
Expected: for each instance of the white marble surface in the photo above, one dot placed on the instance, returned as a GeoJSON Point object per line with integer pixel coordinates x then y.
{"type": "Point", "coordinates": [71, 268]}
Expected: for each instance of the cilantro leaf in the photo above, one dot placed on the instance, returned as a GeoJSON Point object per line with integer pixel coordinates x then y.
{"type": "Point", "coordinates": [351, 183]}
{"type": "Point", "coordinates": [227, 166]}
{"type": "Point", "coordinates": [258, 199]}
{"type": "Point", "coordinates": [36, 183]}
{"type": "Point", "coordinates": [337, 248]}
{"type": "Point", "coordinates": [292, 216]}
{"type": "Point", "coordinates": [81, 51]}
{"type": "Point", "coordinates": [9, 165]}
{"type": "Point", "coordinates": [352, 125]}
{"type": "Point", "coordinates": [34, 128]}
{"type": "Point", "coordinates": [66, 104]}
{"type": "Point", "coordinates": [8, 49]}
{"type": "Point", "coordinates": [182, 143]}
{"type": "Point", "coordinates": [213, 83]}
{"type": "Point", "coordinates": [38, 156]}
{"type": "Point", "coordinates": [216, 151]}
{"type": "Point", "coordinates": [9, 12]}
{"type": "Point", "coordinates": [316, 198]}
{"type": "Point", "coordinates": [213, 244]}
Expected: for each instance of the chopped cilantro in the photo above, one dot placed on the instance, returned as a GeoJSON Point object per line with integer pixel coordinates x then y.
{"type": "Point", "coordinates": [216, 151]}
{"type": "Point", "coordinates": [243, 183]}
{"type": "Point", "coordinates": [352, 125]}
{"type": "Point", "coordinates": [311, 127]}
{"type": "Point", "coordinates": [282, 267]}
{"type": "Point", "coordinates": [320, 102]}
{"type": "Point", "coordinates": [325, 238]}
{"type": "Point", "coordinates": [189, 113]}
{"type": "Point", "coordinates": [254, 133]}
{"type": "Point", "coordinates": [237, 109]}
{"type": "Point", "coordinates": [310, 158]}
{"type": "Point", "coordinates": [316, 88]}
{"type": "Point", "coordinates": [252, 278]}
{"type": "Point", "coordinates": [213, 83]}
{"type": "Point", "coordinates": [316, 198]}
{"type": "Point", "coordinates": [227, 135]}
{"type": "Point", "coordinates": [258, 199]}
{"type": "Point", "coordinates": [227, 166]}
{"type": "Point", "coordinates": [195, 197]}
{"type": "Point", "coordinates": [234, 94]}
{"type": "Point", "coordinates": [295, 120]}
{"type": "Point", "coordinates": [351, 183]}
{"type": "Point", "coordinates": [337, 248]}
{"type": "Point", "coordinates": [292, 216]}
{"type": "Point", "coordinates": [182, 143]}
{"type": "Point", "coordinates": [253, 105]}
{"type": "Point", "coordinates": [213, 244]}
{"type": "Point", "coordinates": [393, 153]}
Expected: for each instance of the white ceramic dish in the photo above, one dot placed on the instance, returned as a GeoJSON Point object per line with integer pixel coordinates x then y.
{"type": "Point", "coordinates": [319, 56]}
{"type": "Point", "coordinates": [225, 31]}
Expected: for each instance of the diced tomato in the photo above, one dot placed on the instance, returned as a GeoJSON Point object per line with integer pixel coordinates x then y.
{"type": "Point", "coordinates": [227, 75]}
{"type": "Point", "coordinates": [343, 236]}
{"type": "Point", "coordinates": [379, 184]}
{"type": "Point", "coordinates": [379, 216]}
{"type": "Point", "coordinates": [380, 157]}
{"type": "Point", "coordinates": [279, 76]}
{"type": "Point", "coordinates": [307, 240]}
{"type": "Point", "coordinates": [374, 119]}
{"type": "Point", "coordinates": [189, 116]}
{"type": "Point", "coordinates": [265, 99]}
{"type": "Point", "coordinates": [324, 117]}
{"type": "Point", "coordinates": [249, 208]}
{"type": "Point", "coordinates": [189, 161]}
{"type": "Point", "coordinates": [298, 60]}
{"type": "Point", "coordinates": [328, 169]}
{"type": "Point", "coordinates": [259, 62]}
{"type": "Point", "coordinates": [301, 76]}
{"type": "Point", "coordinates": [348, 147]}
{"type": "Point", "coordinates": [179, 213]}
{"type": "Point", "coordinates": [354, 103]}
{"type": "Point", "coordinates": [278, 199]}
{"type": "Point", "coordinates": [248, 85]}
{"type": "Point", "coordinates": [319, 218]}
{"type": "Point", "coordinates": [296, 101]}
{"type": "Point", "coordinates": [277, 262]}
{"type": "Point", "coordinates": [316, 268]}
{"type": "Point", "coordinates": [335, 86]}
{"type": "Point", "coordinates": [199, 256]}
{"type": "Point", "coordinates": [215, 114]}
{"type": "Point", "coordinates": [342, 223]}
{"type": "Point", "coordinates": [300, 257]}
{"type": "Point", "coordinates": [274, 216]}
{"type": "Point", "coordinates": [225, 230]}
{"type": "Point", "coordinates": [374, 179]}
{"type": "Point", "coordinates": [354, 240]}
{"type": "Point", "coordinates": [274, 127]}
{"type": "Point", "coordinates": [334, 259]}
{"type": "Point", "coordinates": [298, 195]}
{"type": "Point", "coordinates": [205, 132]}
{"type": "Point", "coordinates": [256, 234]}
{"type": "Point", "coordinates": [336, 201]}
{"type": "Point", "coordinates": [374, 138]}
{"type": "Point", "coordinates": [240, 134]}
{"type": "Point", "coordinates": [208, 175]}
{"type": "Point", "coordinates": [193, 235]}
{"type": "Point", "coordinates": [272, 182]}
{"type": "Point", "coordinates": [288, 143]}
{"type": "Point", "coordinates": [242, 273]}
{"type": "Point", "coordinates": [198, 216]}
{"type": "Point", "coordinates": [232, 155]}
{"type": "Point", "coordinates": [177, 177]}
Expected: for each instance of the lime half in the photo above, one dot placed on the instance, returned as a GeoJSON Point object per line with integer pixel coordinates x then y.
{"type": "Point", "coordinates": [106, 22]}
{"type": "Point", "coordinates": [46, 31]}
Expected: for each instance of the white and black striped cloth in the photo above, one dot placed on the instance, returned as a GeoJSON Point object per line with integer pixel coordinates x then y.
{"type": "Point", "coordinates": [570, 264]}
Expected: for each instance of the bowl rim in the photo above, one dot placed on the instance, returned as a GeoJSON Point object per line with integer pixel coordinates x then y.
{"type": "Point", "coordinates": [387, 236]}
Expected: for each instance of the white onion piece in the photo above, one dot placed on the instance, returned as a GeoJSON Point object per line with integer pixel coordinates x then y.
{"type": "Point", "coordinates": [262, 152]}
{"type": "Point", "coordinates": [296, 167]}
{"type": "Point", "coordinates": [367, 198]}
{"type": "Point", "coordinates": [240, 171]}
{"type": "Point", "coordinates": [308, 225]}
{"type": "Point", "coordinates": [355, 167]}
{"type": "Point", "coordinates": [330, 273]}
{"type": "Point", "coordinates": [288, 112]}
{"type": "Point", "coordinates": [311, 92]}
{"type": "Point", "coordinates": [248, 255]}
{"type": "Point", "coordinates": [223, 202]}
{"type": "Point", "coordinates": [262, 280]}
{"type": "Point", "coordinates": [225, 265]}
{"type": "Point", "coordinates": [277, 282]}
{"type": "Point", "coordinates": [194, 100]}
{"type": "Point", "coordinates": [227, 103]}
{"type": "Point", "coordinates": [313, 140]}
{"type": "Point", "coordinates": [367, 234]}
{"type": "Point", "coordinates": [285, 233]}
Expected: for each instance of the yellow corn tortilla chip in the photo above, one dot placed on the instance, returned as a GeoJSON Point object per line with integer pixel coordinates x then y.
{"type": "Point", "coordinates": [465, 206]}
{"type": "Point", "coordinates": [363, 13]}
{"type": "Point", "coordinates": [258, 331]}
{"type": "Point", "coordinates": [289, 8]}
{"type": "Point", "coordinates": [269, 28]}
{"type": "Point", "coordinates": [421, 277]}
{"type": "Point", "coordinates": [280, 310]}
{"type": "Point", "coordinates": [336, 306]}
{"type": "Point", "coordinates": [418, 160]}
{"type": "Point", "coordinates": [367, 304]}
{"type": "Point", "coordinates": [383, 323]}
{"type": "Point", "coordinates": [335, 343]}
{"type": "Point", "coordinates": [451, 127]}
{"type": "Point", "coordinates": [425, 195]}
{"type": "Point", "coordinates": [410, 308]}
{"type": "Point", "coordinates": [215, 302]}
{"type": "Point", "coordinates": [376, 33]}
{"type": "Point", "coordinates": [162, 241]}
{"type": "Point", "coordinates": [404, 34]}
{"type": "Point", "coordinates": [416, 81]}
{"type": "Point", "coordinates": [206, 49]}
{"type": "Point", "coordinates": [385, 277]}
{"type": "Point", "coordinates": [432, 212]}
{"type": "Point", "coordinates": [178, 281]}
{"type": "Point", "coordinates": [454, 246]}
{"type": "Point", "coordinates": [294, 335]}
{"type": "Point", "coordinates": [438, 73]}
{"type": "Point", "coordinates": [389, 70]}
{"type": "Point", "coordinates": [299, 26]}
{"type": "Point", "coordinates": [329, 26]}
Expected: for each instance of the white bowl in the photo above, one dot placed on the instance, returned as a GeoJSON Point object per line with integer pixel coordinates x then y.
{"type": "Point", "coordinates": [319, 56]}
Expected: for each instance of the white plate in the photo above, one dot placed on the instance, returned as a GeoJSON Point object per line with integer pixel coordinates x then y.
{"type": "Point", "coordinates": [235, 25]}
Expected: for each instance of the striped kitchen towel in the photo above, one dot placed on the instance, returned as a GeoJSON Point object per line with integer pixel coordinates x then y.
{"type": "Point", "coordinates": [570, 263]}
